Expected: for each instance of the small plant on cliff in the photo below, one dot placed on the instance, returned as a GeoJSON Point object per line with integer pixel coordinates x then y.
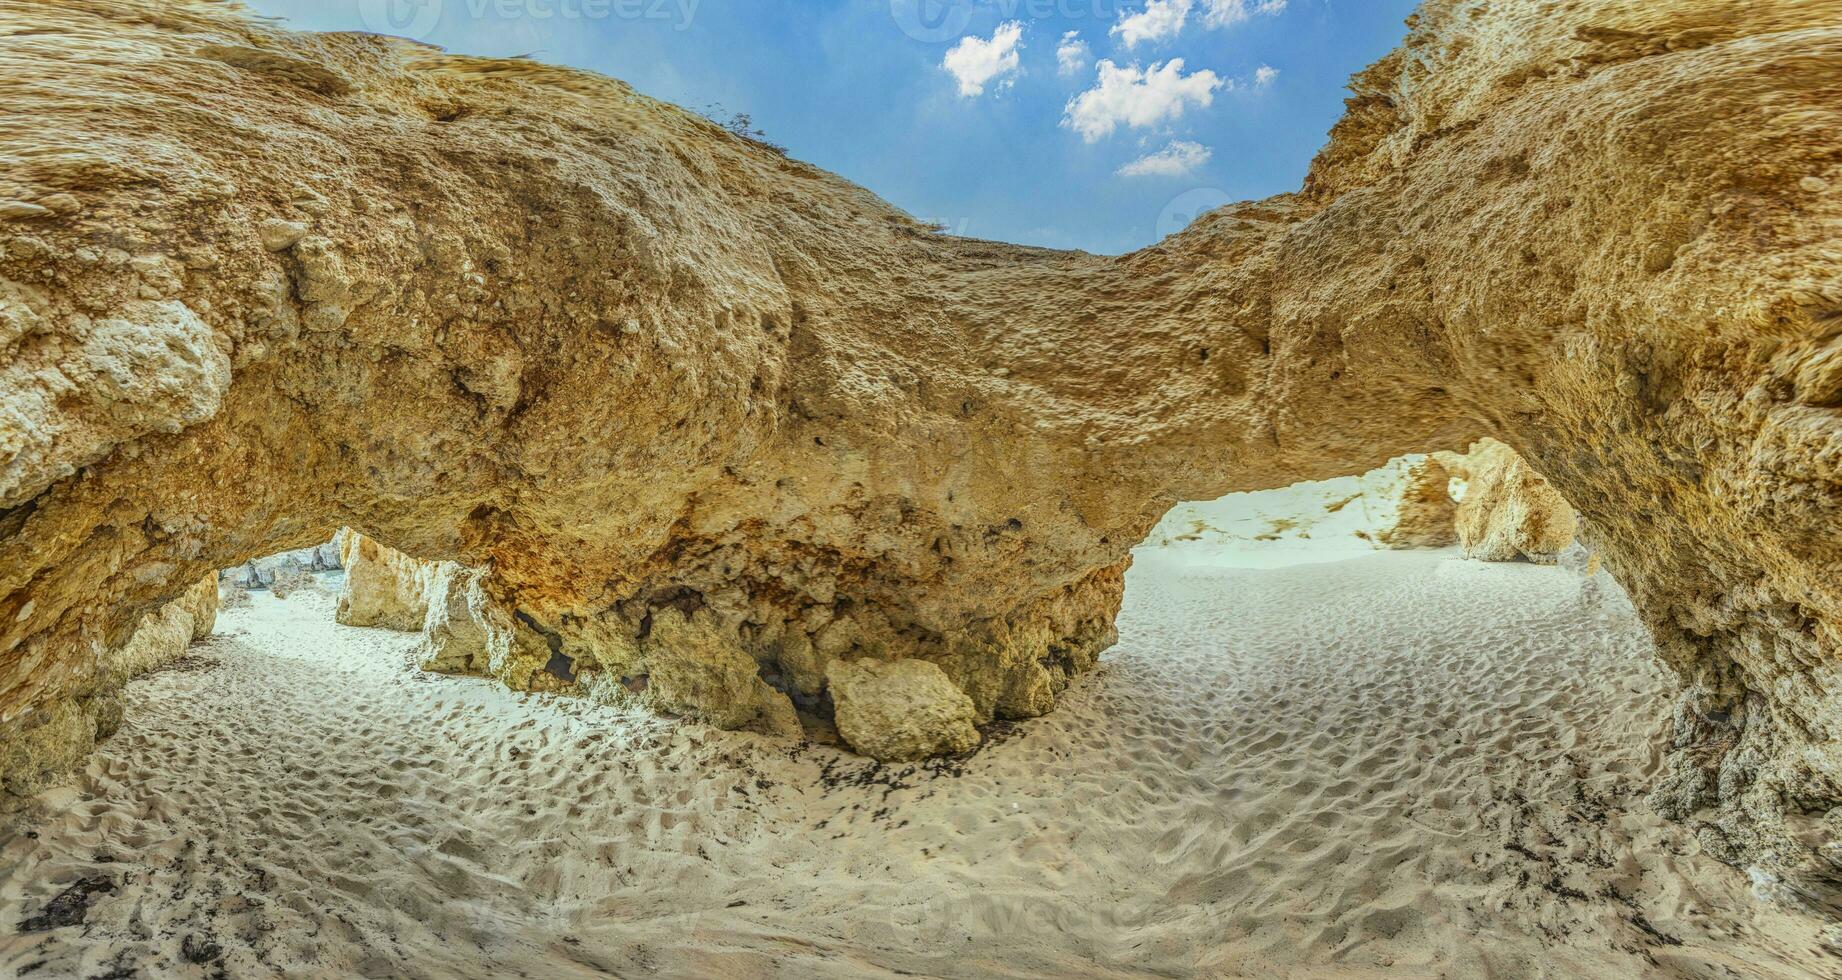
{"type": "Point", "coordinates": [740, 124]}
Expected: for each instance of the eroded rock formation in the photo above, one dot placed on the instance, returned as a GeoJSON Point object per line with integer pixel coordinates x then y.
{"type": "Point", "coordinates": [260, 573]}
{"type": "Point", "coordinates": [1509, 512]}
{"type": "Point", "coordinates": [383, 587]}
{"type": "Point", "coordinates": [693, 671]}
{"type": "Point", "coordinates": [456, 635]}
{"type": "Point", "coordinates": [685, 399]}
{"type": "Point", "coordinates": [60, 734]}
{"type": "Point", "coordinates": [1425, 515]}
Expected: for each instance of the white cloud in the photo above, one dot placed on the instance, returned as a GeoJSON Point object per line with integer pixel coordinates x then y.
{"type": "Point", "coordinates": [1139, 97]}
{"type": "Point", "coordinates": [1072, 54]}
{"type": "Point", "coordinates": [1164, 19]}
{"type": "Point", "coordinates": [1159, 20]}
{"type": "Point", "coordinates": [976, 62]}
{"type": "Point", "coordinates": [1222, 13]}
{"type": "Point", "coordinates": [1264, 75]}
{"type": "Point", "coordinates": [1179, 158]}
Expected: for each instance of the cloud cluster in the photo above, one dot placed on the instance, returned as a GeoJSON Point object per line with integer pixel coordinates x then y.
{"type": "Point", "coordinates": [1139, 97]}
{"type": "Point", "coordinates": [1179, 158]}
{"type": "Point", "coordinates": [1165, 19]}
{"type": "Point", "coordinates": [1130, 96]}
{"type": "Point", "coordinates": [976, 62]}
{"type": "Point", "coordinates": [1225, 13]}
{"type": "Point", "coordinates": [1159, 20]}
{"type": "Point", "coordinates": [1072, 54]}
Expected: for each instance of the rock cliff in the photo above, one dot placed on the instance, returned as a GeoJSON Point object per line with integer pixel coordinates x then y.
{"type": "Point", "coordinates": [1509, 512]}
{"type": "Point", "coordinates": [260, 573]}
{"type": "Point", "coordinates": [56, 737]}
{"type": "Point", "coordinates": [1425, 516]}
{"type": "Point", "coordinates": [383, 587]}
{"type": "Point", "coordinates": [689, 403]}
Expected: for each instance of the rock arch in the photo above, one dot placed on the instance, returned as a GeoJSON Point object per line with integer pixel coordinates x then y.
{"type": "Point", "coordinates": [256, 285]}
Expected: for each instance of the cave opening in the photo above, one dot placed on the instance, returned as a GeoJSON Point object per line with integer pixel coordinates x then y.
{"type": "Point", "coordinates": [282, 572]}
{"type": "Point", "coordinates": [1299, 728]}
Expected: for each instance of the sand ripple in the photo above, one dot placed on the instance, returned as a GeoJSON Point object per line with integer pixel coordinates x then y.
{"type": "Point", "coordinates": [1396, 765]}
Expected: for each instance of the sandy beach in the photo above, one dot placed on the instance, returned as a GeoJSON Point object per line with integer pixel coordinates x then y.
{"type": "Point", "coordinates": [492, 489]}
{"type": "Point", "coordinates": [1383, 764]}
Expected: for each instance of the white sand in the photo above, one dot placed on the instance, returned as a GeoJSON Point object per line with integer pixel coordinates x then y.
{"type": "Point", "coordinates": [1306, 522]}
{"type": "Point", "coordinates": [1395, 764]}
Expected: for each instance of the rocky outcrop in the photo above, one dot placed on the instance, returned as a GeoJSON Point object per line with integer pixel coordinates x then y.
{"type": "Point", "coordinates": [693, 672]}
{"type": "Point", "coordinates": [1509, 512]}
{"type": "Point", "coordinates": [256, 285]}
{"type": "Point", "coordinates": [383, 587]}
{"type": "Point", "coordinates": [162, 637]}
{"type": "Point", "coordinates": [468, 631]}
{"type": "Point", "coordinates": [260, 573]}
{"type": "Point", "coordinates": [897, 711]}
{"type": "Point", "coordinates": [455, 634]}
{"type": "Point", "coordinates": [1425, 513]}
{"type": "Point", "coordinates": [901, 710]}
{"type": "Point", "coordinates": [45, 744]}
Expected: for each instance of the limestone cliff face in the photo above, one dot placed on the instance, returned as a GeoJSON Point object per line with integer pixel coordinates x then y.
{"type": "Point", "coordinates": [1509, 512]}
{"type": "Point", "coordinates": [685, 399]}
{"type": "Point", "coordinates": [383, 587]}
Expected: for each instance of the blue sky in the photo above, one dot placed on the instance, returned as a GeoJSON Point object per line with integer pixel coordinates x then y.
{"type": "Point", "coordinates": [968, 112]}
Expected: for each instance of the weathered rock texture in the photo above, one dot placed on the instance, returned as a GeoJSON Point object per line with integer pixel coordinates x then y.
{"type": "Point", "coordinates": [1509, 512]}
{"type": "Point", "coordinates": [695, 671]}
{"type": "Point", "coordinates": [383, 587]}
{"type": "Point", "coordinates": [901, 710]}
{"type": "Point", "coordinates": [50, 741]}
{"type": "Point", "coordinates": [456, 635]}
{"type": "Point", "coordinates": [1425, 515]}
{"type": "Point", "coordinates": [684, 398]}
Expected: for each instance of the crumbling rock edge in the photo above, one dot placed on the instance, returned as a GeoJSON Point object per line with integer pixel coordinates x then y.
{"type": "Point", "coordinates": [681, 662]}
